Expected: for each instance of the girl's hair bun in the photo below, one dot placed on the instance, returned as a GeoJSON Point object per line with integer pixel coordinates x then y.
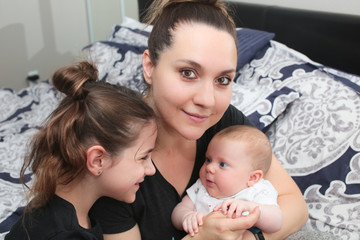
{"type": "Point", "coordinates": [71, 80]}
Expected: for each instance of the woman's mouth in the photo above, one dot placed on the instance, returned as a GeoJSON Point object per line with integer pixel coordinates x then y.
{"type": "Point", "coordinates": [197, 118]}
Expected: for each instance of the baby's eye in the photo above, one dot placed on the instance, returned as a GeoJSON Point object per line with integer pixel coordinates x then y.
{"type": "Point", "coordinates": [223, 81]}
{"type": "Point", "coordinates": [187, 73]}
{"type": "Point", "coordinates": [222, 164]}
{"type": "Point", "coordinates": [208, 160]}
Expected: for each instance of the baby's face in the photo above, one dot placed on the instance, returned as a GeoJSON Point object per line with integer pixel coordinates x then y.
{"type": "Point", "coordinates": [227, 168]}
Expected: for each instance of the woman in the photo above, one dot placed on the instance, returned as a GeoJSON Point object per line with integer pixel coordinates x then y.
{"type": "Point", "coordinates": [189, 66]}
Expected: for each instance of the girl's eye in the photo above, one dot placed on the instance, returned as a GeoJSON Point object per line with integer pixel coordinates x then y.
{"type": "Point", "coordinates": [145, 157]}
{"type": "Point", "coordinates": [223, 81]}
{"type": "Point", "coordinates": [223, 164]}
{"type": "Point", "coordinates": [188, 73]}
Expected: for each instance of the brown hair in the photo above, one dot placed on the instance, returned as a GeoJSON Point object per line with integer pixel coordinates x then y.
{"type": "Point", "coordinates": [92, 112]}
{"type": "Point", "coordinates": [166, 15]}
{"type": "Point", "coordinates": [257, 143]}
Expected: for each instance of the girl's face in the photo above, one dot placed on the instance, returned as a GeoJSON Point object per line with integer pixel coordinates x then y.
{"type": "Point", "coordinates": [128, 169]}
{"type": "Point", "coordinates": [227, 169]}
{"type": "Point", "coordinates": [191, 86]}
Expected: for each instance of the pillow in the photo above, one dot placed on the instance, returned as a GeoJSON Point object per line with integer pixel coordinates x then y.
{"type": "Point", "coordinates": [350, 80]}
{"type": "Point", "coordinates": [261, 98]}
{"type": "Point", "coordinates": [250, 41]}
{"type": "Point", "coordinates": [317, 138]}
{"type": "Point", "coordinates": [118, 63]}
{"type": "Point", "coordinates": [134, 24]}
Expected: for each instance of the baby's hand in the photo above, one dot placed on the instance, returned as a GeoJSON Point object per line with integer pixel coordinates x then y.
{"type": "Point", "coordinates": [192, 221]}
{"type": "Point", "coordinates": [234, 208]}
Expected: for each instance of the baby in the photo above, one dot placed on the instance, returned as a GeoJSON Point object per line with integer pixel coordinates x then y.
{"type": "Point", "coordinates": [231, 180]}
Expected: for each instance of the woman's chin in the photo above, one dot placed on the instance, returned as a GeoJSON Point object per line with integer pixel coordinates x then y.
{"type": "Point", "coordinates": [193, 133]}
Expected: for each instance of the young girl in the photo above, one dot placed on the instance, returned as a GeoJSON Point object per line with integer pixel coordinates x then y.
{"type": "Point", "coordinates": [189, 66]}
{"type": "Point", "coordinates": [97, 142]}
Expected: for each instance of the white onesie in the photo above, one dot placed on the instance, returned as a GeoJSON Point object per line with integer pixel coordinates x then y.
{"type": "Point", "coordinates": [262, 192]}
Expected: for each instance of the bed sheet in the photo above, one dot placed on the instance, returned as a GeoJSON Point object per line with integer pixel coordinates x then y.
{"type": "Point", "coordinates": [21, 115]}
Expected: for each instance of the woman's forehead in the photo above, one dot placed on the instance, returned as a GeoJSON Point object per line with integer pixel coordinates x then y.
{"type": "Point", "coordinates": [199, 42]}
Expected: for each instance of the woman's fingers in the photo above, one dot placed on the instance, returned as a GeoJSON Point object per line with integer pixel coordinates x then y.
{"type": "Point", "coordinates": [217, 226]}
{"type": "Point", "coordinates": [243, 222]}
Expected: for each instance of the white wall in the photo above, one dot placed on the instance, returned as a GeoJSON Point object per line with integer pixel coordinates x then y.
{"type": "Point", "coordinates": [103, 16]}
{"type": "Point", "coordinates": [39, 35]}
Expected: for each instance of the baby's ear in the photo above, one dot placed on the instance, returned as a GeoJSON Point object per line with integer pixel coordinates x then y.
{"type": "Point", "coordinates": [94, 159]}
{"type": "Point", "coordinates": [255, 177]}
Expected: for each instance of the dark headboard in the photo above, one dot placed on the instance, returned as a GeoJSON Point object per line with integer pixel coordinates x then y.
{"type": "Point", "coordinates": [328, 38]}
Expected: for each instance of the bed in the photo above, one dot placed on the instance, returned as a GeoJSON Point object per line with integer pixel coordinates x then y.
{"type": "Point", "coordinates": [289, 85]}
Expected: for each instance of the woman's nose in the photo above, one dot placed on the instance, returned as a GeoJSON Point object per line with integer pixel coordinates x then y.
{"type": "Point", "coordinates": [205, 95]}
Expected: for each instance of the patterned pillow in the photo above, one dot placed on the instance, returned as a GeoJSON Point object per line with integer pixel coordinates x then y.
{"type": "Point", "coordinates": [317, 139]}
{"type": "Point", "coordinates": [118, 63]}
{"type": "Point", "coordinates": [261, 93]}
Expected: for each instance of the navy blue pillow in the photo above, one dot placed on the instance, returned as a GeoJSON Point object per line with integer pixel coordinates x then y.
{"type": "Point", "coordinates": [250, 41]}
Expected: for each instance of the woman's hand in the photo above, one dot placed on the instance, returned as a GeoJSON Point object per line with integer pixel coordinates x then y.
{"type": "Point", "coordinates": [235, 208]}
{"type": "Point", "coordinates": [217, 226]}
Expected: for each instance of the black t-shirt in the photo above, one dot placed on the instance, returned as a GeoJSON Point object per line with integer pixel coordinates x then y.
{"type": "Point", "coordinates": [56, 221]}
{"type": "Point", "coordinates": [156, 197]}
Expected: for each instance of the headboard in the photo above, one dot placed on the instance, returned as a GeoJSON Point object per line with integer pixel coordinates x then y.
{"type": "Point", "coordinates": [328, 38]}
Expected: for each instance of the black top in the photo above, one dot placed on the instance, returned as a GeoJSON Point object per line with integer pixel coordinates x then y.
{"type": "Point", "coordinates": [56, 221]}
{"type": "Point", "coordinates": [156, 197]}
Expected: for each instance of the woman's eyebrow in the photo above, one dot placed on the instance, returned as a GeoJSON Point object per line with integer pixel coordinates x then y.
{"type": "Point", "coordinates": [190, 62]}
{"type": "Point", "coordinates": [233, 70]}
{"type": "Point", "coordinates": [198, 66]}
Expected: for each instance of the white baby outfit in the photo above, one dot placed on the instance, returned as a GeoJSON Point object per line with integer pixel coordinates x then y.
{"type": "Point", "coordinates": [262, 192]}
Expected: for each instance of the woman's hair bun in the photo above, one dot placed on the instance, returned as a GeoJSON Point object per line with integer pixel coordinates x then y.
{"type": "Point", "coordinates": [72, 79]}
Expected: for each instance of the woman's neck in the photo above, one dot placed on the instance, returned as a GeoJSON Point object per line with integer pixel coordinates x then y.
{"type": "Point", "coordinates": [174, 157]}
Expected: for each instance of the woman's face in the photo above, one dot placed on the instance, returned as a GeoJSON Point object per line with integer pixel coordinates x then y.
{"type": "Point", "coordinates": [191, 86]}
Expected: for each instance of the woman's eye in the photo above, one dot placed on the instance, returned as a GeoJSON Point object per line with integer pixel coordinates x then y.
{"type": "Point", "coordinates": [223, 81]}
{"type": "Point", "coordinates": [188, 73]}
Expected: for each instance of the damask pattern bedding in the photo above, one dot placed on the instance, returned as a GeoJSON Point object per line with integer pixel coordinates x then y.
{"type": "Point", "coordinates": [21, 115]}
{"type": "Point", "coordinates": [310, 113]}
